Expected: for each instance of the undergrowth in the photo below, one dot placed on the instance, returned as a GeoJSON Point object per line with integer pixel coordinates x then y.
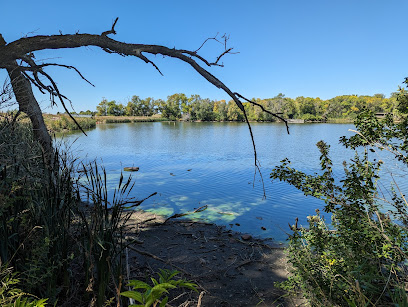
{"type": "Point", "coordinates": [360, 257]}
{"type": "Point", "coordinates": [62, 248]}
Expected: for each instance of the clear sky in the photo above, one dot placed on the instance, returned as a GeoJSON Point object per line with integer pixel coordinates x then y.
{"type": "Point", "coordinates": [298, 48]}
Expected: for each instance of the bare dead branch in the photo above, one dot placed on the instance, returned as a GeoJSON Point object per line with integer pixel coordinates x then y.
{"type": "Point", "coordinates": [64, 66]}
{"type": "Point", "coordinates": [147, 61]}
{"type": "Point", "coordinates": [112, 30]}
{"type": "Point", "coordinates": [61, 99]}
{"type": "Point", "coordinates": [220, 56]}
{"type": "Point", "coordinates": [265, 110]}
{"type": "Point", "coordinates": [33, 81]}
{"type": "Point", "coordinates": [210, 38]}
{"type": "Point", "coordinates": [6, 94]}
{"type": "Point", "coordinates": [256, 161]}
{"type": "Point", "coordinates": [23, 48]}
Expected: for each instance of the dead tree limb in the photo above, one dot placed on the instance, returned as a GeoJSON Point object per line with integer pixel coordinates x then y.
{"type": "Point", "coordinates": [22, 49]}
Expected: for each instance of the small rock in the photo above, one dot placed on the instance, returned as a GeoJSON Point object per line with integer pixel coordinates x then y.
{"type": "Point", "coordinates": [246, 237]}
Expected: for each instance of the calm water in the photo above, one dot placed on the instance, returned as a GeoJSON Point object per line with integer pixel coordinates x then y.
{"type": "Point", "coordinates": [194, 164]}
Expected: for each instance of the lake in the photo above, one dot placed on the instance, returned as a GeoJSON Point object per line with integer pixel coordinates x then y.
{"type": "Point", "coordinates": [195, 164]}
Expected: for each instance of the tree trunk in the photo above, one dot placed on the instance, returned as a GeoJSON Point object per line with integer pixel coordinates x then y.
{"type": "Point", "coordinates": [29, 105]}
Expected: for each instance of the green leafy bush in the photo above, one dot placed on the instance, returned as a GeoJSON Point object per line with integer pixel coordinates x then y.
{"type": "Point", "coordinates": [11, 296]}
{"type": "Point", "coordinates": [361, 257]}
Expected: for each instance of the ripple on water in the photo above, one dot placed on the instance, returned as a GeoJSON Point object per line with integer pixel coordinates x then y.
{"type": "Point", "coordinates": [196, 164]}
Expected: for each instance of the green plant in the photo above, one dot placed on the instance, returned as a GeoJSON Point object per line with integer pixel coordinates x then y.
{"type": "Point", "coordinates": [103, 224]}
{"type": "Point", "coordinates": [64, 123]}
{"type": "Point", "coordinates": [360, 258]}
{"type": "Point", "coordinates": [148, 295]}
{"type": "Point", "coordinates": [11, 296]}
{"type": "Point", "coordinates": [35, 210]}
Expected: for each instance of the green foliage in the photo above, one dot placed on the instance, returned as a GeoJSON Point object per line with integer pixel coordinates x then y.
{"type": "Point", "coordinates": [360, 258]}
{"type": "Point", "coordinates": [11, 296]}
{"type": "Point", "coordinates": [103, 222]}
{"type": "Point", "coordinates": [195, 108]}
{"type": "Point", "coordinates": [61, 248]}
{"type": "Point", "coordinates": [102, 108]}
{"type": "Point", "coordinates": [148, 295]}
{"type": "Point", "coordinates": [35, 211]}
{"type": "Point", "coordinates": [117, 120]}
{"type": "Point", "coordinates": [64, 123]}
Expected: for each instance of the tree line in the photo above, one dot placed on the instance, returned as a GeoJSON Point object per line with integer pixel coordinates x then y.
{"type": "Point", "coordinates": [194, 108]}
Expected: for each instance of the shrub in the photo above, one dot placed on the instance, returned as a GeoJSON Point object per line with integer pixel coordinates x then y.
{"type": "Point", "coordinates": [360, 258]}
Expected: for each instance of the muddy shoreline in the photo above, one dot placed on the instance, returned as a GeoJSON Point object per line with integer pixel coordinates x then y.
{"type": "Point", "coordinates": [231, 269]}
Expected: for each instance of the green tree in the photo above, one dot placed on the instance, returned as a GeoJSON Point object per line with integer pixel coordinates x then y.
{"type": "Point", "coordinates": [102, 108]}
{"type": "Point", "coordinates": [172, 107]}
{"type": "Point", "coordinates": [194, 104]}
{"type": "Point", "coordinates": [113, 109]}
{"type": "Point", "coordinates": [220, 110]}
{"type": "Point", "coordinates": [233, 112]}
{"type": "Point", "coordinates": [134, 106]}
{"type": "Point", "coordinates": [148, 107]}
{"type": "Point", "coordinates": [204, 111]}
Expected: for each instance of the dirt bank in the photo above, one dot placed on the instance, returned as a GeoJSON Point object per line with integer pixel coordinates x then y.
{"type": "Point", "coordinates": [230, 268]}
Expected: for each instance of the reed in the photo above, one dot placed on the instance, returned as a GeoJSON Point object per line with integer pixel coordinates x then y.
{"type": "Point", "coordinates": [57, 245]}
{"type": "Point", "coordinates": [64, 123]}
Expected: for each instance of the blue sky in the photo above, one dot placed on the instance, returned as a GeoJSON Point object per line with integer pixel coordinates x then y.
{"type": "Point", "coordinates": [299, 48]}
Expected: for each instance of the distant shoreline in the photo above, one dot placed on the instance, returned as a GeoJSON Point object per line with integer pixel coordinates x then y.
{"type": "Point", "coordinates": [62, 122]}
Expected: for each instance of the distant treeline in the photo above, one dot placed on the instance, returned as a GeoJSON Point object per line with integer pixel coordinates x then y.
{"type": "Point", "coordinates": [179, 106]}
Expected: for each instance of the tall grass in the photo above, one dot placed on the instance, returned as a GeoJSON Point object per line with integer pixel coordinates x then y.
{"type": "Point", "coordinates": [62, 249]}
{"type": "Point", "coordinates": [64, 123]}
{"type": "Point", "coordinates": [104, 222]}
{"type": "Point", "coordinates": [35, 210]}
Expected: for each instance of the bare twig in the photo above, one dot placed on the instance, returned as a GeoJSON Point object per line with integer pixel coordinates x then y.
{"type": "Point", "coordinates": [209, 38]}
{"type": "Point", "coordinates": [23, 49]}
{"type": "Point", "coordinates": [112, 30]}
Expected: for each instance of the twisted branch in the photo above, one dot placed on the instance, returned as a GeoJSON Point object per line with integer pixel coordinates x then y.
{"type": "Point", "coordinates": [23, 48]}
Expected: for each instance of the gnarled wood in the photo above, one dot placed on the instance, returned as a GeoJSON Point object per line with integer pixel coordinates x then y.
{"type": "Point", "coordinates": [23, 48]}
{"type": "Point", "coordinates": [29, 105]}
